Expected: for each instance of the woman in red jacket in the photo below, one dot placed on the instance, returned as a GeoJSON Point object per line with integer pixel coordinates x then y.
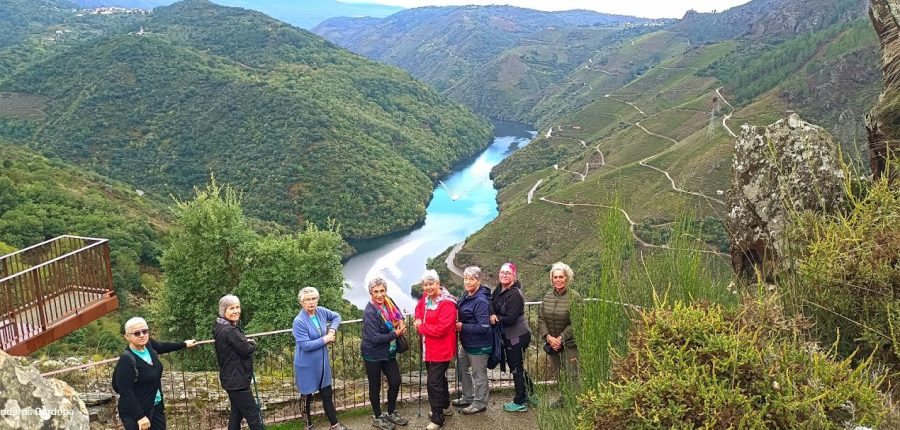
{"type": "Point", "coordinates": [436, 323]}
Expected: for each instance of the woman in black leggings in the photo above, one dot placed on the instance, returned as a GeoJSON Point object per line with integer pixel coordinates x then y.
{"type": "Point", "coordinates": [382, 325]}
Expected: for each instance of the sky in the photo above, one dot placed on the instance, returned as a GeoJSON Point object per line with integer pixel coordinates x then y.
{"type": "Point", "coordinates": [642, 8]}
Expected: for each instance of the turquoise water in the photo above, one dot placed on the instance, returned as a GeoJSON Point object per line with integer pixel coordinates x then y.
{"type": "Point", "coordinates": [461, 204]}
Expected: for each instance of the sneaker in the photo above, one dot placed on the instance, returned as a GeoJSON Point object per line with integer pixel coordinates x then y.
{"type": "Point", "coordinates": [382, 423]}
{"type": "Point", "coordinates": [338, 426]}
{"type": "Point", "coordinates": [433, 426]}
{"type": "Point", "coordinates": [471, 409]}
{"type": "Point", "coordinates": [394, 418]}
{"type": "Point", "coordinates": [460, 403]}
{"type": "Point", "coordinates": [515, 407]}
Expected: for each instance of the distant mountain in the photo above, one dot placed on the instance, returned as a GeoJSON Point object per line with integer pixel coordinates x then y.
{"type": "Point", "coordinates": [495, 59]}
{"type": "Point", "coordinates": [308, 131]}
{"type": "Point", "coordinates": [18, 18]}
{"type": "Point", "coordinates": [301, 13]}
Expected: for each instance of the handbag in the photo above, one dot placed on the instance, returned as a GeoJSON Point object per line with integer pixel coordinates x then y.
{"type": "Point", "coordinates": [402, 344]}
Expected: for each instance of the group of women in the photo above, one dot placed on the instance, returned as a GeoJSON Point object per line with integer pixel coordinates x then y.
{"type": "Point", "coordinates": [449, 327]}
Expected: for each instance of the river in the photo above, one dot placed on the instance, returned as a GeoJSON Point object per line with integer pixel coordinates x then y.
{"type": "Point", "coordinates": [463, 202]}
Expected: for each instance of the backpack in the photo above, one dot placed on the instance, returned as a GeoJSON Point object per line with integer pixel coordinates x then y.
{"type": "Point", "coordinates": [496, 356]}
{"type": "Point", "coordinates": [133, 360]}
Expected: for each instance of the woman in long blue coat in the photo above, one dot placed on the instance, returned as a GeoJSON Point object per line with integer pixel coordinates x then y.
{"type": "Point", "coordinates": [314, 329]}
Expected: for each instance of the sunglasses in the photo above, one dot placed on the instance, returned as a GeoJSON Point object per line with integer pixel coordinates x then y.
{"type": "Point", "coordinates": [139, 333]}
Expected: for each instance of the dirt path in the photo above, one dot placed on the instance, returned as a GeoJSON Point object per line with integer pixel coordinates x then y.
{"type": "Point", "coordinates": [727, 116]}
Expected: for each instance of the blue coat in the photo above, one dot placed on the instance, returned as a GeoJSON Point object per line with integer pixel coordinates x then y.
{"type": "Point", "coordinates": [312, 369]}
{"type": "Point", "coordinates": [475, 316]}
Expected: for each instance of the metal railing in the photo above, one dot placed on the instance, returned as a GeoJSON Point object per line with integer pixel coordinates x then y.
{"type": "Point", "coordinates": [50, 289]}
{"type": "Point", "coordinates": [195, 400]}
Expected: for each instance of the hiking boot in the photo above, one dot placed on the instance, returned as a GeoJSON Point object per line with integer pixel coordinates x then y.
{"type": "Point", "coordinates": [338, 426]}
{"type": "Point", "coordinates": [394, 418]}
{"type": "Point", "coordinates": [460, 403]}
{"type": "Point", "coordinates": [433, 426]}
{"type": "Point", "coordinates": [471, 409]}
{"type": "Point", "coordinates": [515, 407]}
{"type": "Point", "coordinates": [382, 423]}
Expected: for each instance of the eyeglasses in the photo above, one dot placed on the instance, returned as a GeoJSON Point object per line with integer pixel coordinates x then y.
{"type": "Point", "coordinates": [139, 333]}
{"type": "Point", "coordinates": [505, 272]}
{"type": "Point", "coordinates": [310, 299]}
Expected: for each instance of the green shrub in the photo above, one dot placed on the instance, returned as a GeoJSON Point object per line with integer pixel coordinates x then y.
{"type": "Point", "coordinates": [703, 366]}
{"type": "Point", "coordinates": [848, 278]}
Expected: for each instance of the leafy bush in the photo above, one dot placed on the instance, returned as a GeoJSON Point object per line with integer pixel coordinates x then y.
{"type": "Point", "coordinates": [848, 277]}
{"type": "Point", "coordinates": [703, 366]}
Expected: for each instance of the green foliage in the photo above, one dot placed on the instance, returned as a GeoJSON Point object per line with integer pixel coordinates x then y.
{"type": "Point", "coordinates": [705, 367]}
{"type": "Point", "coordinates": [755, 69]}
{"type": "Point", "coordinates": [41, 199]}
{"type": "Point", "coordinates": [214, 252]}
{"type": "Point", "coordinates": [847, 278]}
{"type": "Point", "coordinates": [307, 131]}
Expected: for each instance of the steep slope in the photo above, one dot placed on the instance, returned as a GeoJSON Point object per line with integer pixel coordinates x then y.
{"type": "Point", "coordinates": [42, 198]}
{"type": "Point", "coordinates": [495, 59]}
{"type": "Point", "coordinates": [650, 123]}
{"type": "Point", "coordinates": [19, 18]}
{"type": "Point", "coordinates": [305, 129]}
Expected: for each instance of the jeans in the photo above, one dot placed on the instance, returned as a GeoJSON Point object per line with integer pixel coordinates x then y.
{"type": "Point", "coordinates": [391, 371]}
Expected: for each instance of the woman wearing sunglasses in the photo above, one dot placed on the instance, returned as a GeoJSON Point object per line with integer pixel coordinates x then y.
{"type": "Point", "coordinates": [138, 377]}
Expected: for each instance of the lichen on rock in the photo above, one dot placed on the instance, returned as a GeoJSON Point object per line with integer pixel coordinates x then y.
{"type": "Point", "coordinates": [29, 401]}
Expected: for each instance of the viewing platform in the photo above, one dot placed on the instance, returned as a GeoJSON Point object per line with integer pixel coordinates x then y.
{"type": "Point", "coordinates": [51, 289]}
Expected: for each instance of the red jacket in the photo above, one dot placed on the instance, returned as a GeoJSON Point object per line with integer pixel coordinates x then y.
{"type": "Point", "coordinates": [438, 328]}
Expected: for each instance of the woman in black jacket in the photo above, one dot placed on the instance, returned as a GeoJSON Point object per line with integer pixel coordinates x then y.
{"type": "Point", "coordinates": [234, 353]}
{"type": "Point", "coordinates": [382, 325]}
{"type": "Point", "coordinates": [508, 310]}
{"type": "Point", "coordinates": [138, 377]}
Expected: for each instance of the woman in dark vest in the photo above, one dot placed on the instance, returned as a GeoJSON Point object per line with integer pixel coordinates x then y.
{"type": "Point", "coordinates": [138, 377]}
{"type": "Point", "coordinates": [234, 353]}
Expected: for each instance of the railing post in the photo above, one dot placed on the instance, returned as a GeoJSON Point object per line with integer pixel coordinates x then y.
{"type": "Point", "coordinates": [36, 277]}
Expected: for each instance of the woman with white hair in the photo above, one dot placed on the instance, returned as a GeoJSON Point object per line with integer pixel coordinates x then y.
{"type": "Point", "coordinates": [138, 377]}
{"type": "Point", "coordinates": [436, 323]}
{"type": "Point", "coordinates": [555, 325]}
{"type": "Point", "coordinates": [234, 354]}
{"type": "Point", "coordinates": [314, 328]}
{"type": "Point", "coordinates": [476, 342]}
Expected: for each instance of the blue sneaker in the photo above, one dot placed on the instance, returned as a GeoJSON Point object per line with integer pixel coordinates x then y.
{"type": "Point", "coordinates": [515, 407]}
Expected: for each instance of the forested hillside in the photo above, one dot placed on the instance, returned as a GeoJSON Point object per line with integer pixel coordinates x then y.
{"type": "Point", "coordinates": [494, 59]}
{"type": "Point", "coordinates": [306, 130]}
{"type": "Point", "coordinates": [648, 118]}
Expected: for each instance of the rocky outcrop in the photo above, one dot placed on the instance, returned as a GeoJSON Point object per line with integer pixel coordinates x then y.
{"type": "Point", "coordinates": [789, 166]}
{"type": "Point", "coordinates": [28, 401]}
{"type": "Point", "coordinates": [883, 122]}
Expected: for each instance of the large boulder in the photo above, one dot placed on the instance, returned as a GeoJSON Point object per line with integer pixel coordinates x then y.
{"type": "Point", "coordinates": [28, 401]}
{"type": "Point", "coordinates": [883, 122]}
{"type": "Point", "coordinates": [789, 166]}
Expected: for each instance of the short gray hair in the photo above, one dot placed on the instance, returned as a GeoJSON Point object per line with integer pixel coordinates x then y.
{"type": "Point", "coordinates": [307, 291]}
{"type": "Point", "coordinates": [559, 265]}
{"type": "Point", "coordinates": [136, 321]}
{"type": "Point", "coordinates": [473, 271]}
{"type": "Point", "coordinates": [376, 282]}
{"type": "Point", "coordinates": [226, 302]}
{"type": "Point", "coordinates": [430, 275]}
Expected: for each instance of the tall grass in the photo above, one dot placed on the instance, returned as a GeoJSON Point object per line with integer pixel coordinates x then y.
{"type": "Point", "coordinates": [631, 279]}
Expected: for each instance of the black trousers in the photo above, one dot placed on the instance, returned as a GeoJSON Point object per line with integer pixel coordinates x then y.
{"type": "Point", "coordinates": [391, 371]}
{"type": "Point", "coordinates": [327, 404]}
{"type": "Point", "coordinates": [515, 358]}
{"type": "Point", "coordinates": [243, 406]}
{"type": "Point", "coordinates": [157, 419]}
{"type": "Point", "coordinates": [438, 389]}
